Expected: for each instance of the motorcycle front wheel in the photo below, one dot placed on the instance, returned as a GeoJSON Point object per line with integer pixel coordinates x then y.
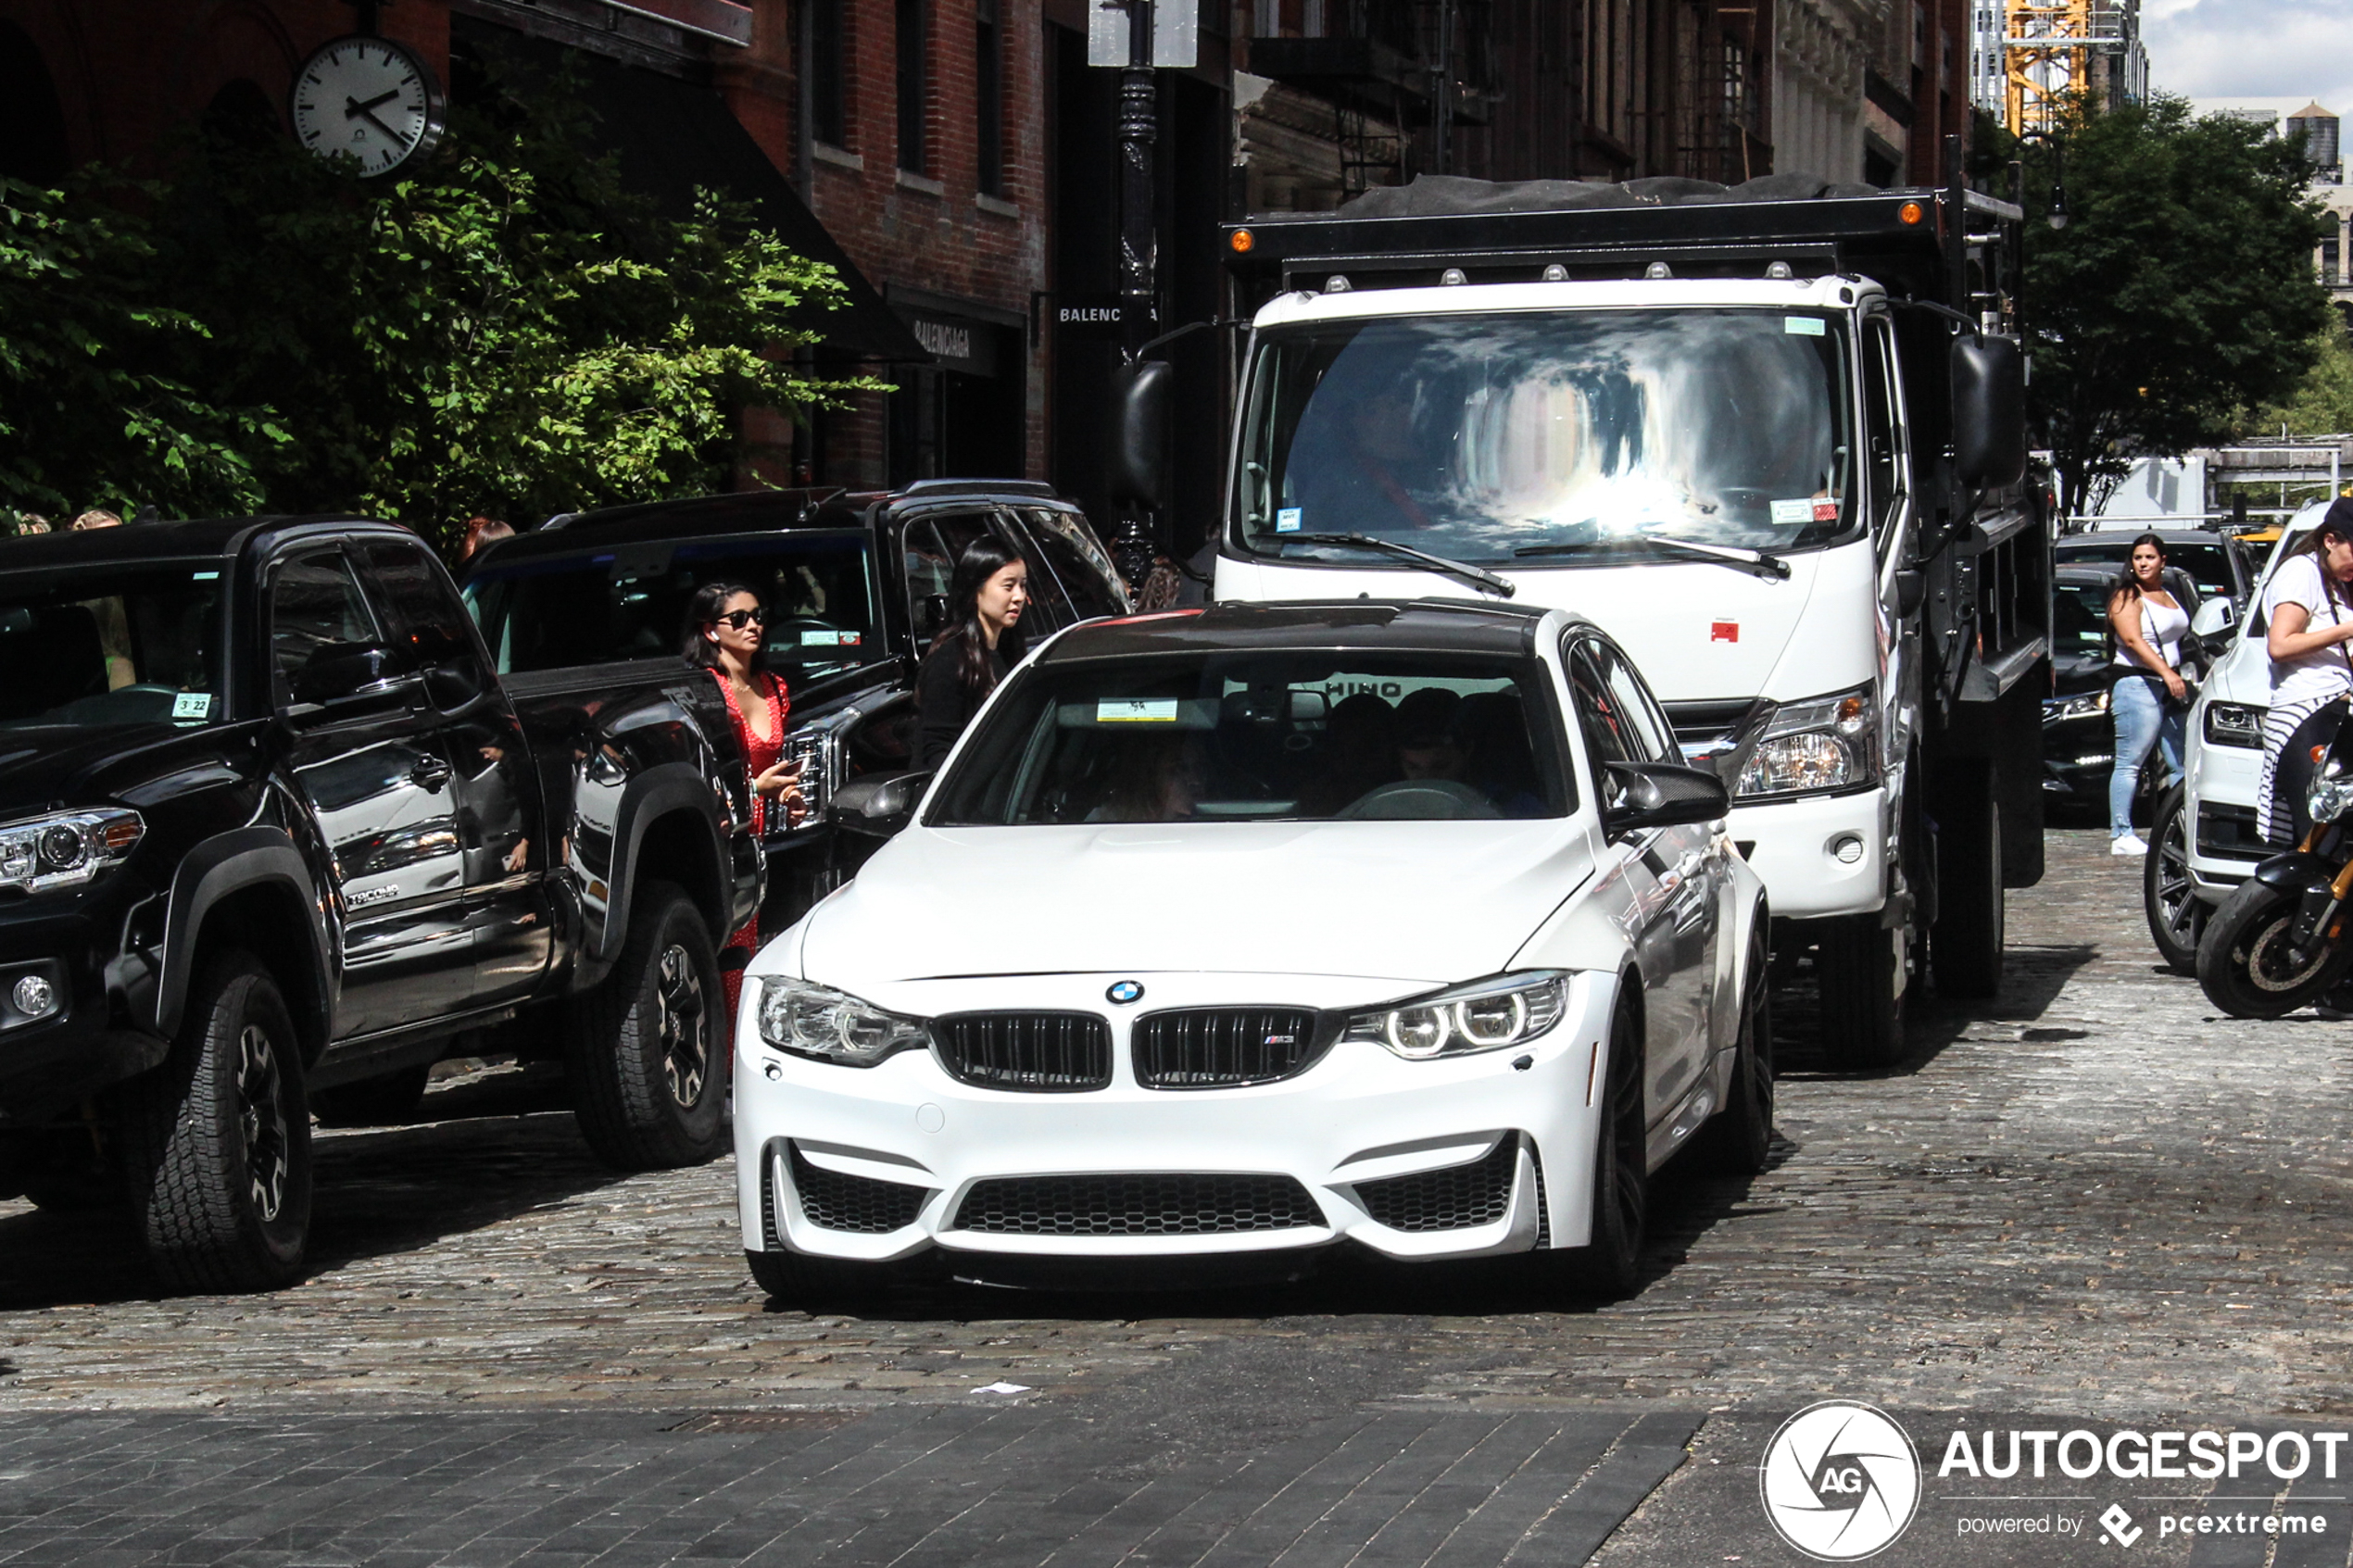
{"type": "Point", "coordinates": [2247, 964]}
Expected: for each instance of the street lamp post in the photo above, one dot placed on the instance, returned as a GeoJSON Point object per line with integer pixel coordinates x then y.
{"type": "Point", "coordinates": [1138, 243]}
{"type": "Point", "coordinates": [2058, 216]}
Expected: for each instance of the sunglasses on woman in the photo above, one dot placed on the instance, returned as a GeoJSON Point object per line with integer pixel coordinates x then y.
{"type": "Point", "coordinates": [739, 618]}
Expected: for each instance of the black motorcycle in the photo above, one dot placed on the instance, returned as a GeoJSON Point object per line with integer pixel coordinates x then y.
{"type": "Point", "coordinates": [2284, 937]}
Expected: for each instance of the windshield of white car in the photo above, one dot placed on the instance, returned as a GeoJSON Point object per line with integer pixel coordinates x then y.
{"type": "Point", "coordinates": [112, 645]}
{"type": "Point", "coordinates": [1264, 736]}
{"type": "Point", "coordinates": [1478, 436]}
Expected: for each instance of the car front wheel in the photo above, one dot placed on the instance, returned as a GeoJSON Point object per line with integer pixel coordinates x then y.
{"type": "Point", "coordinates": [1738, 1140]}
{"type": "Point", "coordinates": [1609, 1264]}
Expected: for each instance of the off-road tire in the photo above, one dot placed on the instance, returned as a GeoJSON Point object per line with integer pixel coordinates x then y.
{"type": "Point", "coordinates": [373, 1102]}
{"type": "Point", "coordinates": [216, 1142]}
{"type": "Point", "coordinates": [1964, 948]}
{"type": "Point", "coordinates": [2233, 967]}
{"type": "Point", "coordinates": [647, 1051]}
{"type": "Point", "coordinates": [1738, 1140]}
{"type": "Point", "coordinates": [2177, 916]}
{"type": "Point", "coordinates": [1860, 967]}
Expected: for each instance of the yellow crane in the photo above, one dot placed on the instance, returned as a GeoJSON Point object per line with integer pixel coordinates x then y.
{"type": "Point", "coordinates": [2047, 48]}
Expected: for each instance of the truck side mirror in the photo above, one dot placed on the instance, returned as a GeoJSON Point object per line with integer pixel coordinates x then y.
{"type": "Point", "coordinates": [1140, 446]}
{"type": "Point", "coordinates": [1989, 411]}
{"type": "Point", "coordinates": [352, 673]}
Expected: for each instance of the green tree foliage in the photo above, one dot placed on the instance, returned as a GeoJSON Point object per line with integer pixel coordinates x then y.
{"type": "Point", "coordinates": [506, 331]}
{"type": "Point", "coordinates": [2321, 403]}
{"type": "Point", "coordinates": [2180, 294]}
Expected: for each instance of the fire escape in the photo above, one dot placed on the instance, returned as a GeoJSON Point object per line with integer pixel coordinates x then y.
{"type": "Point", "coordinates": [1717, 111]}
{"type": "Point", "coordinates": [1404, 80]}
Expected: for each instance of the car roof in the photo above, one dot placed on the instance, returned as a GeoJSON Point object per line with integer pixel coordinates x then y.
{"type": "Point", "coordinates": [2082, 574]}
{"type": "Point", "coordinates": [2113, 536]}
{"type": "Point", "coordinates": [1435, 625]}
{"type": "Point", "coordinates": [135, 543]}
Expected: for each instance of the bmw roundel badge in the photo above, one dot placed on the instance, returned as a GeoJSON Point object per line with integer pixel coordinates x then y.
{"type": "Point", "coordinates": [1125, 991]}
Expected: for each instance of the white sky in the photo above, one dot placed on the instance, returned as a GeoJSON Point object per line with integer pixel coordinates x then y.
{"type": "Point", "coordinates": [2252, 49]}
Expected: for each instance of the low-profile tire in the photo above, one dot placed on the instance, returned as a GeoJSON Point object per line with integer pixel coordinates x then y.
{"type": "Point", "coordinates": [2241, 962]}
{"type": "Point", "coordinates": [2177, 916]}
{"type": "Point", "coordinates": [647, 1052]}
{"type": "Point", "coordinates": [373, 1102]}
{"type": "Point", "coordinates": [1738, 1140]}
{"type": "Point", "coordinates": [216, 1142]}
{"type": "Point", "coordinates": [1609, 1264]}
{"type": "Point", "coordinates": [1861, 965]}
{"type": "Point", "coordinates": [1965, 947]}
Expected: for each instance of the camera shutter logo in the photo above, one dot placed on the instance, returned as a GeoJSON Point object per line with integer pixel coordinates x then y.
{"type": "Point", "coordinates": [1840, 1481]}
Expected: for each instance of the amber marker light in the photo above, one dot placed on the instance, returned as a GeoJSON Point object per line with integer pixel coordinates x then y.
{"type": "Point", "coordinates": [1911, 212]}
{"type": "Point", "coordinates": [1241, 242]}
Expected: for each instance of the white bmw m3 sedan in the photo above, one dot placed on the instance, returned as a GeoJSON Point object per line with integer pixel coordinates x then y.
{"type": "Point", "coordinates": [1227, 936]}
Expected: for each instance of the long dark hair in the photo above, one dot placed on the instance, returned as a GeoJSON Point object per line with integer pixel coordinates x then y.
{"type": "Point", "coordinates": [962, 639]}
{"type": "Point", "coordinates": [2335, 524]}
{"type": "Point", "coordinates": [2129, 586]}
{"type": "Point", "coordinates": [704, 609]}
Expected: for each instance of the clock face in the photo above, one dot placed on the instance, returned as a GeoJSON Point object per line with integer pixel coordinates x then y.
{"type": "Point", "coordinates": [369, 100]}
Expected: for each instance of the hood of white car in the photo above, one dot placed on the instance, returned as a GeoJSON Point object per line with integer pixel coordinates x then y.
{"type": "Point", "coordinates": [1416, 902]}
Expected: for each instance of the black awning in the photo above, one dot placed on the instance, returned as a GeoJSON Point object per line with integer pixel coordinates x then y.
{"type": "Point", "coordinates": [674, 135]}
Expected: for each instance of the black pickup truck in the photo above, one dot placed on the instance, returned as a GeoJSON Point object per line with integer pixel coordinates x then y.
{"type": "Point", "coordinates": [271, 832]}
{"type": "Point", "coordinates": [855, 583]}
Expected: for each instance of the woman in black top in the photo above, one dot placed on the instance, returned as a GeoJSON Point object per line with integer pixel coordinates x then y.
{"type": "Point", "coordinates": [972, 652]}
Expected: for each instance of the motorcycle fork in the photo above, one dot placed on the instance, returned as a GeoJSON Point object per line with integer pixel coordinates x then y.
{"type": "Point", "coordinates": [2321, 911]}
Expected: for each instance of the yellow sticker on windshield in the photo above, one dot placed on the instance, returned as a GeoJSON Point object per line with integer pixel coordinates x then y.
{"type": "Point", "coordinates": [1137, 710]}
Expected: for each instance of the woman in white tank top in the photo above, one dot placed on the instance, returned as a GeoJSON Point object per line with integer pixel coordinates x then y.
{"type": "Point", "coordinates": [2148, 697]}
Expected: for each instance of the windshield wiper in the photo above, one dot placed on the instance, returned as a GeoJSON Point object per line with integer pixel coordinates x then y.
{"type": "Point", "coordinates": [1762, 563]}
{"type": "Point", "coordinates": [1476, 576]}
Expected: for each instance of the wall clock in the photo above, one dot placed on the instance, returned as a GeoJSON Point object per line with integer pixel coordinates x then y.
{"type": "Point", "coordinates": [369, 99]}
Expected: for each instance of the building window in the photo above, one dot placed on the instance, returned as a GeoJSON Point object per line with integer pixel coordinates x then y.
{"type": "Point", "coordinates": [1313, 20]}
{"type": "Point", "coordinates": [988, 88]}
{"type": "Point", "coordinates": [2328, 262]}
{"type": "Point", "coordinates": [1266, 19]}
{"type": "Point", "coordinates": [914, 83]}
{"type": "Point", "coordinates": [826, 51]}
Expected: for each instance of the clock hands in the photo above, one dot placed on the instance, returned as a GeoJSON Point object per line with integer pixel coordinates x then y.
{"type": "Point", "coordinates": [354, 109]}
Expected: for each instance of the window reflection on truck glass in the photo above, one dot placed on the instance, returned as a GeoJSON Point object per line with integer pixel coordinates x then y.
{"type": "Point", "coordinates": [110, 646]}
{"type": "Point", "coordinates": [1471, 436]}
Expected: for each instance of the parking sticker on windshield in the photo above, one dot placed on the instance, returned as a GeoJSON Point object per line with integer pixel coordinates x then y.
{"type": "Point", "coordinates": [820, 639]}
{"type": "Point", "coordinates": [1290, 520]}
{"type": "Point", "coordinates": [192, 705]}
{"type": "Point", "coordinates": [1137, 710]}
{"type": "Point", "coordinates": [1804, 326]}
{"type": "Point", "coordinates": [1805, 509]}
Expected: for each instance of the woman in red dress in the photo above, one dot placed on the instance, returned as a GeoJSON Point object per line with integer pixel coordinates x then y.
{"type": "Point", "coordinates": [727, 635]}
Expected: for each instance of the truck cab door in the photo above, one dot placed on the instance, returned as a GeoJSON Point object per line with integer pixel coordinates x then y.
{"type": "Point", "coordinates": [1888, 485]}
{"type": "Point", "coordinates": [371, 773]}
{"type": "Point", "coordinates": [494, 787]}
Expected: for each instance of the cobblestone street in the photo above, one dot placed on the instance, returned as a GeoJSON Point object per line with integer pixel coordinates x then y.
{"type": "Point", "coordinates": [2092, 1198]}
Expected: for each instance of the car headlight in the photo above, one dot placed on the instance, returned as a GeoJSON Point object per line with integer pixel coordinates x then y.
{"type": "Point", "coordinates": [1824, 743]}
{"type": "Point", "coordinates": [2235, 723]}
{"type": "Point", "coordinates": [2082, 704]}
{"type": "Point", "coordinates": [817, 1020]}
{"type": "Point", "coordinates": [66, 849]}
{"type": "Point", "coordinates": [1485, 1015]}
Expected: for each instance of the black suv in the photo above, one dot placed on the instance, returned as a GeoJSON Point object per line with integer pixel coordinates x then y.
{"type": "Point", "coordinates": [856, 584]}
{"type": "Point", "coordinates": [270, 828]}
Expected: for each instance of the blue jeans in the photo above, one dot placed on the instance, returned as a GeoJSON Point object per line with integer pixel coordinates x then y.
{"type": "Point", "coordinates": [2142, 718]}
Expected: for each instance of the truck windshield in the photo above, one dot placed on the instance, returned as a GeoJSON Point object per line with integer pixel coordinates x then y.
{"type": "Point", "coordinates": [1264, 736]}
{"type": "Point", "coordinates": [1568, 433]}
{"type": "Point", "coordinates": [112, 645]}
{"type": "Point", "coordinates": [613, 602]}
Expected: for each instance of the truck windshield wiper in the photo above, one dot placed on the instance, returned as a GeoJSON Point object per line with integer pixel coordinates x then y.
{"type": "Point", "coordinates": [1476, 576]}
{"type": "Point", "coordinates": [1762, 563]}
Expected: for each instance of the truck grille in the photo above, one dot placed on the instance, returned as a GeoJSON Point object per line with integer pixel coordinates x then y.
{"type": "Point", "coordinates": [1454, 1200]}
{"type": "Point", "coordinates": [835, 1201]}
{"type": "Point", "coordinates": [1158, 1205]}
{"type": "Point", "coordinates": [1041, 1052]}
{"type": "Point", "coordinates": [1217, 1048]}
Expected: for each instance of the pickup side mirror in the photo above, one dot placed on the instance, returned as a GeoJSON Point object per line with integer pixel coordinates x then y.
{"type": "Point", "coordinates": [1660, 795]}
{"type": "Point", "coordinates": [351, 674]}
{"type": "Point", "coordinates": [1989, 411]}
{"type": "Point", "coordinates": [1139, 447]}
{"type": "Point", "coordinates": [878, 805]}
{"type": "Point", "coordinates": [2214, 616]}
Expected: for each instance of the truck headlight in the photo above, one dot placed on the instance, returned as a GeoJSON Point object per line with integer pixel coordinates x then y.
{"type": "Point", "coordinates": [1485, 1015]}
{"type": "Point", "coordinates": [1824, 743]}
{"type": "Point", "coordinates": [66, 849]}
{"type": "Point", "coordinates": [817, 1020]}
{"type": "Point", "coordinates": [2235, 723]}
{"type": "Point", "coordinates": [2082, 704]}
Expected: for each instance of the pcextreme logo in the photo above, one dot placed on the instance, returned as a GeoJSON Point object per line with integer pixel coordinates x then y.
{"type": "Point", "coordinates": [1840, 1481]}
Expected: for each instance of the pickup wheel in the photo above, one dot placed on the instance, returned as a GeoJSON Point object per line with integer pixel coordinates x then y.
{"type": "Point", "coordinates": [1966, 948]}
{"type": "Point", "coordinates": [1862, 975]}
{"type": "Point", "coordinates": [647, 1053]}
{"type": "Point", "coordinates": [373, 1102]}
{"type": "Point", "coordinates": [216, 1140]}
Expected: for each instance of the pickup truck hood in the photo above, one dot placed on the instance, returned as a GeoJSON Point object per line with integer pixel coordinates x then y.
{"type": "Point", "coordinates": [1422, 903]}
{"type": "Point", "coordinates": [47, 768]}
{"type": "Point", "coordinates": [1698, 631]}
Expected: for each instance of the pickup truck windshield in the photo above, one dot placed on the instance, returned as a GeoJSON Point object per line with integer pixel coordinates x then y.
{"type": "Point", "coordinates": [1264, 736]}
{"type": "Point", "coordinates": [1570, 433]}
{"type": "Point", "coordinates": [613, 602]}
{"type": "Point", "coordinates": [112, 645]}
